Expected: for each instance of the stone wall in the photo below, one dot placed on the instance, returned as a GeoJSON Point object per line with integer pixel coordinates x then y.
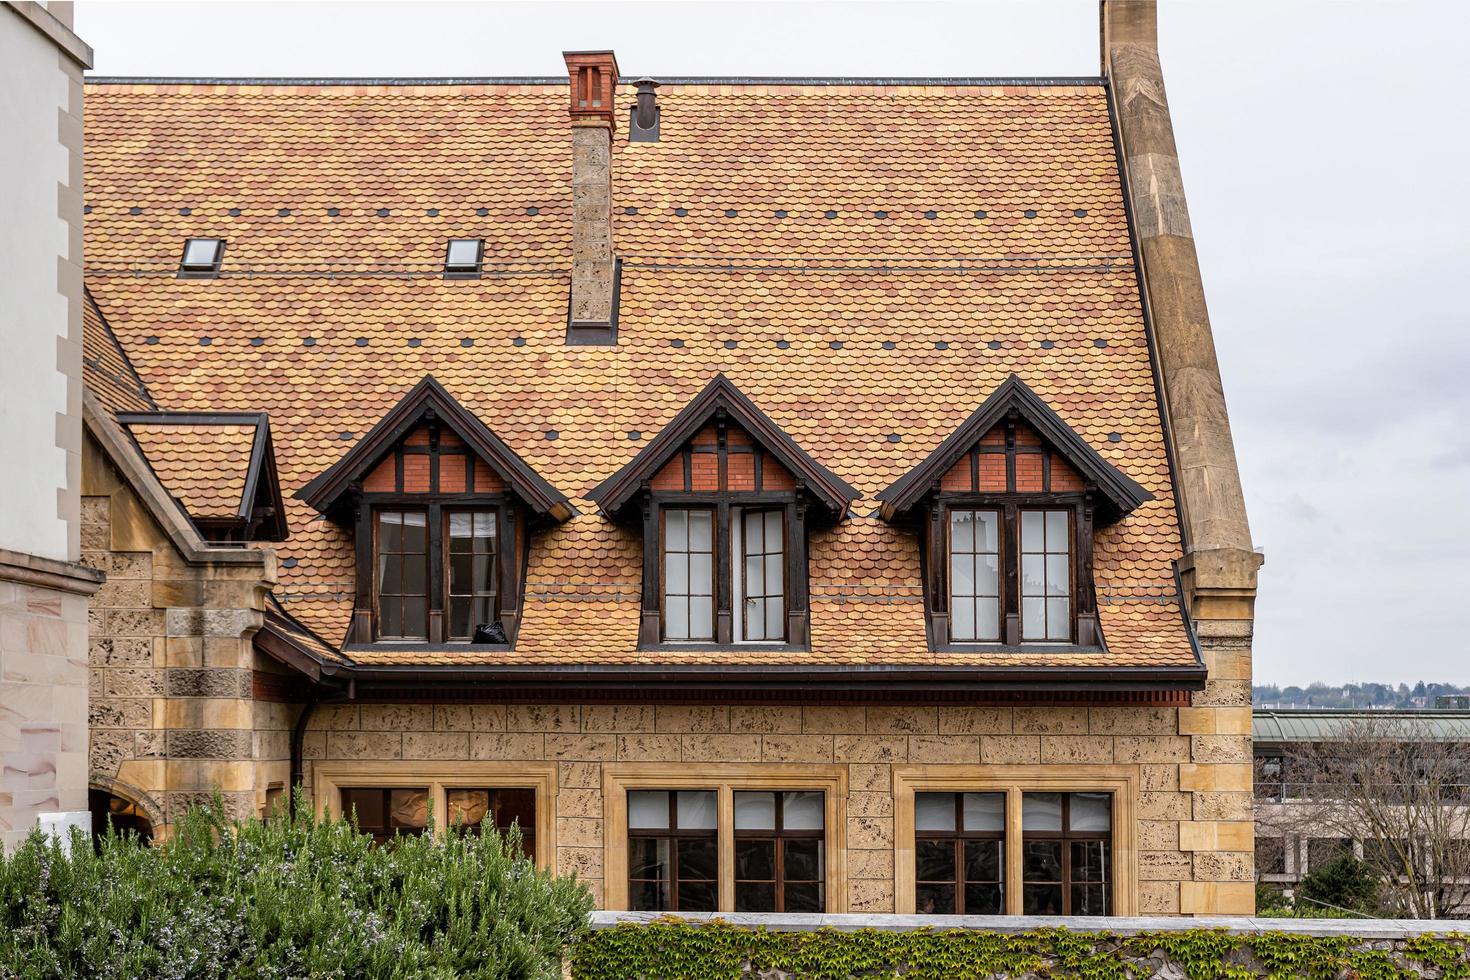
{"type": "Point", "coordinates": [173, 718]}
{"type": "Point", "coordinates": [1193, 820]}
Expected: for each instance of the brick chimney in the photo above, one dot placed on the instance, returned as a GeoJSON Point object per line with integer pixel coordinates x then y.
{"type": "Point", "coordinates": [594, 81]}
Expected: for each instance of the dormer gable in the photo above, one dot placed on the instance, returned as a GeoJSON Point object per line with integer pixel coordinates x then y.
{"type": "Point", "coordinates": [1015, 443]}
{"type": "Point", "coordinates": [430, 444]}
{"type": "Point", "coordinates": [722, 443]}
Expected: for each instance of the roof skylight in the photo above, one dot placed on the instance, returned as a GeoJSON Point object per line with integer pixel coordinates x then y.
{"type": "Point", "coordinates": [202, 257]}
{"type": "Point", "coordinates": [463, 257]}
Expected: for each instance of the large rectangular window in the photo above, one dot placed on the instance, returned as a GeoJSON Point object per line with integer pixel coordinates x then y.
{"type": "Point", "coordinates": [959, 853]}
{"type": "Point", "coordinates": [1066, 857]}
{"type": "Point", "coordinates": [507, 808]}
{"type": "Point", "coordinates": [1046, 575]}
{"type": "Point", "coordinates": [388, 812]}
{"type": "Point", "coordinates": [673, 851]}
{"type": "Point", "coordinates": [974, 574]}
{"type": "Point", "coordinates": [761, 575]}
{"type": "Point", "coordinates": [689, 574]}
{"type": "Point", "coordinates": [780, 852]}
{"type": "Point", "coordinates": [403, 574]}
{"type": "Point", "coordinates": [472, 580]}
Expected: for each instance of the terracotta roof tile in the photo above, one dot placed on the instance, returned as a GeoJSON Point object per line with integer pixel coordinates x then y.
{"type": "Point", "coordinates": [848, 331]}
{"type": "Point", "coordinates": [204, 466]}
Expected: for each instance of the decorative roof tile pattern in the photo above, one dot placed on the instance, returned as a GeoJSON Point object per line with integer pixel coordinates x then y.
{"type": "Point", "coordinates": [205, 467]}
{"type": "Point", "coordinates": [847, 331]}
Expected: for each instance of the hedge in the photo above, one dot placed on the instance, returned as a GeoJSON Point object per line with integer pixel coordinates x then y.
{"type": "Point", "coordinates": [674, 950]}
{"type": "Point", "coordinates": [296, 897]}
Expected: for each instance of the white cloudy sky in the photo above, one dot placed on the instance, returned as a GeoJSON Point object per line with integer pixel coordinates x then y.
{"type": "Point", "coordinates": [1324, 149]}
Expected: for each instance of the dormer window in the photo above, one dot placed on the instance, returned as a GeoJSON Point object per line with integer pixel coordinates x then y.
{"type": "Point", "coordinates": [441, 512]}
{"type": "Point", "coordinates": [464, 258]}
{"type": "Point", "coordinates": [1007, 506]}
{"type": "Point", "coordinates": [202, 258]}
{"type": "Point", "coordinates": [725, 499]}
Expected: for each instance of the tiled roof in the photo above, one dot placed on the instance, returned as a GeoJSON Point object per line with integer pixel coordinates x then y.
{"type": "Point", "coordinates": [106, 368]}
{"type": "Point", "coordinates": [868, 336]}
{"type": "Point", "coordinates": [205, 466]}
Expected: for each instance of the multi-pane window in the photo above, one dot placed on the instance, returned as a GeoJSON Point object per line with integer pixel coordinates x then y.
{"type": "Point", "coordinates": [761, 575]}
{"type": "Point", "coordinates": [1046, 575]}
{"type": "Point", "coordinates": [1066, 855]}
{"type": "Point", "coordinates": [689, 574]}
{"type": "Point", "coordinates": [780, 853]}
{"type": "Point", "coordinates": [974, 574]}
{"type": "Point", "coordinates": [959, 853]}
{"type": "Point", "coordinates": [388, 812]}
{"type": "Point", "coordinates": [467, 808]}
{"type": "Point", "coordinates": [472, 585]}
{"type": "Point", "coordinates": [673, 851]}
{"type": "Point", "coordinates": [403, 580]}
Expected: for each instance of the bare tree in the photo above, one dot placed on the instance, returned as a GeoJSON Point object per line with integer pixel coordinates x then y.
{"type": "Point", "coordinates": [1402, 792]}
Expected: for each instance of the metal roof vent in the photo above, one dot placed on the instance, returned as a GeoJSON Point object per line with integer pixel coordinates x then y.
{"type": "Point", "coordinates": [643, 117]}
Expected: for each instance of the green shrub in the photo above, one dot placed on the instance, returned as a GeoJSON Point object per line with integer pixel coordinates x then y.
{"type": "Point", "coordinates": [292, 898]}
{"type": "Point", "coordinates": [1344, 884]}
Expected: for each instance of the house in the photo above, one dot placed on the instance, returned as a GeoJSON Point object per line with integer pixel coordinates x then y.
{"type": "Point", "coordinates": [795, 494]}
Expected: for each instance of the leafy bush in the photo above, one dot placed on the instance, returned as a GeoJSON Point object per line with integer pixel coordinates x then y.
{"type": "Point", "coordinates": [1343, 884]}
{"type": "Point", "coordinates": [301, 897]}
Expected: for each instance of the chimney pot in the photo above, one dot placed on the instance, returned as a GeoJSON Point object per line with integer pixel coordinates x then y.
{"type": "Point", "coordinates": [594, 83]}
{"type": "Point", "coordinates": [643, 124]}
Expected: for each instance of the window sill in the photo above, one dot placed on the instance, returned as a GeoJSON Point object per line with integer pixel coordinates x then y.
{"type": "Point", "coordinates": [423, 646]}
{"type": "Point", "coordinates": [1056, 648]}
{"type": "Point", "coordinates": [761, 647]}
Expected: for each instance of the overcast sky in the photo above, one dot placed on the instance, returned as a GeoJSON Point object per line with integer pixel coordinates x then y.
{"type": "Point", "coordinates": [1325, 153]}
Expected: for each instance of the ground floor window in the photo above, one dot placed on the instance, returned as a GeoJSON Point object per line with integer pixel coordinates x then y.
{"type": "Point", "coordinates": [1014, 840]}
{"type": "Point", "coordinates": [125, 816]}
{"type": "Point", "coordinates": [392, 798]}
{"type": "Point", "coordinates": [724, 837]}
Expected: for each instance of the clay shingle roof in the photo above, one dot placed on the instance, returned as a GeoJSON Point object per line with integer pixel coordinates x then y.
{"type": "Point", "coordinates": [106, 368]}
{"type": "Point", "coordinates": [204, 465]}
{"type": "Point", "coordinates": [866, 263]}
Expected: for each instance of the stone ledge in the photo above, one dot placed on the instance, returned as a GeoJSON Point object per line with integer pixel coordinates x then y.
{"type": "Point", "coordinates": [48, 573]}
{"type": "Point", "coordinates": [1118, 925]}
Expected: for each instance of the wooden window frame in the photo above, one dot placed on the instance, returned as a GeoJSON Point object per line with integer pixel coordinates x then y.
{"type": "Point", "coordinates": [725, 779]}
{"type": "Point", "coordinates": [377, 554]}
{"type": "Point", "coordinates": [1067, 836]}
{"type": "Point", "coordinates": [715, 576]}
{"type": "Point", "coordinates": [1083, 633]}
{"type": "Point", "coordinates": [673, 833]}
{"type": "Point", "coordinates": [446, 514]}
{"type": "Point", "coordinates": [777, 836]}
{"type": "Point", "coordinates": [330, 778]}
{"type": "Point", "coordinates": [957, 838]}
{"type": "Point", "coordinates": [1019, 557]}
{"type": "Point", "coordinates": [1120, 781]}
{"type": "Point", "coordinates": [738, 557]}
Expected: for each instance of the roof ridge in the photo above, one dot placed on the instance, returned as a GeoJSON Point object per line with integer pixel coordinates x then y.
{"type": "Point", "coordinates": [832, 80]}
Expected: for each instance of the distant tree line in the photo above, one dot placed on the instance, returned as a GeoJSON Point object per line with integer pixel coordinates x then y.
{"type": "Point", "coordinates": [1319, 695]}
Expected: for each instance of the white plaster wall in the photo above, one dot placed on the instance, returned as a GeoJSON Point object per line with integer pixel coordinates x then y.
{"type": "Point", "coordinates": [33, 315]}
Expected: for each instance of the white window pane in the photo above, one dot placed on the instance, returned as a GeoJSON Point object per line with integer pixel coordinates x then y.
{"type": "Point", "coordinates": [1041, 811]}
{"type": "Point", "coordinates": [701, 614]}
{"type": "Point", "coordinates": [464, 251]}
{"type": "Point", "coordinates": [1058, 575]}
{"type": "Point", "coordinates": [755, 811]}
{"type": "Point", "coordinates": [1033, 619]}
{"type": "Point", "coordinates": [987, 532]}
{"type": "Point", "coordinates": [1092, 811]}
{"type": "Point", "coordinates": [701, 574]}
{"type": "Point", "coordinates": [415, 518]}
{"type": "Point", "coordinates": [1032, 530]}
{"type": "Point", "coordinates": [676, 530]}
{"type": "Point", "coordinates": [962, 619]}
{"type": "Point", "coordinates": [696, 810]}
{"type": "Point", "coordinates": [961, 530]}
{"type": "Point", "coordinates": [201, 251]}
{"type": "Point", "coordinates": [774, 522]}
{"type": "Point", "coordinates": [754, 581]}
{"type": "Point", "coordinates": [648, 810]}
{"type": "Point", "coordinates": [987, 619]}
{"type": "Point", "coordinates": [484, 524]}
{"type": "Point", "coordinates": [755, 534]}
{"type": "Point", "coordinates": [774, 574]}
{"type": "Point", "coordinates": [802, 811]}
{"type": "Point", "coordinates": [962, 574]}
{"type": "Point", "coordinates": [1056, 530]}
{"type": "Point", "coordinates": [775, 612]}
{"type": "Point", "coordinates": [985, 811]}
{"type": "Point", "coordinates": [754, 623]}
{"type": "Point", "coordinates": [1033, 575]}
{"type": "Point", "coordinates": [1058, 619]}
{"type": "Point", "coordinates": [676, 611]}
{"type": "Point", "coordinates": [676, 574]}
{"type": "Point", "coordinates": [987, 575]}
{"type": "Point", "coordinates": [700, 523]}
{"type": "Point", "coordinates": [460, 524]}
{"type": "Point", "coordinates": [934, 811]}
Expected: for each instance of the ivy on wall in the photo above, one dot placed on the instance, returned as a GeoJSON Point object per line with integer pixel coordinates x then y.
{"type": "Point", "coordinates": [676, 950]}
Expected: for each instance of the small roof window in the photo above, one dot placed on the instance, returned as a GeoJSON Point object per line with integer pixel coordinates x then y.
{"type": "Point", "coordinates": [202, 258]}
{"type": "Point", "coordinates": [463, 258]}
